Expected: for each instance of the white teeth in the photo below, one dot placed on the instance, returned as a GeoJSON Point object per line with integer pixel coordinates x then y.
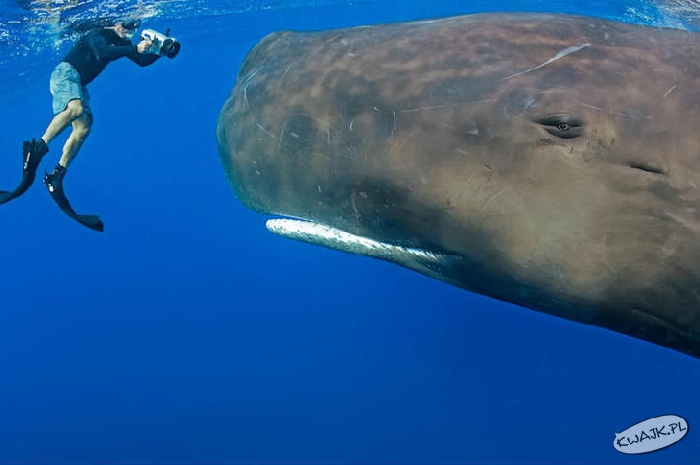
{"type": "Point", "coordinates": [327, 236]}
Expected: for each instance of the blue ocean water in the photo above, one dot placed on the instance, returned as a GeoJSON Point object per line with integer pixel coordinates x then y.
{"type": "Point", "coordinates": [187, 332]}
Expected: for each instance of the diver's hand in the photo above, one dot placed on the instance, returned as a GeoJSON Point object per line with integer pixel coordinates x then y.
{"type": "Point", "coordinates": [143, 46]}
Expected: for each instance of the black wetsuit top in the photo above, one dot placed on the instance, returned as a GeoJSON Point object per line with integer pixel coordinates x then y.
{"type": "Point", "coordinates": [91, 54]}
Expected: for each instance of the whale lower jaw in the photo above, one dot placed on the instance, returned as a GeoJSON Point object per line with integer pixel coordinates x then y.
{"type": "Point", "coordinates": [421, 260]}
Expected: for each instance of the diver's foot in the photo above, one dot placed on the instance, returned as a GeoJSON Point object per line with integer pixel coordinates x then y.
{"type": "Point", "coordinates": [54, 180]}
{"type": "Point", "coordinates": [32, 153]}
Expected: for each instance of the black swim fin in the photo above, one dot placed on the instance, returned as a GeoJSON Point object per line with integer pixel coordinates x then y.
{"type": "Point", "coordinates": [54, 182]}
{"type": "Point", "coordinates": [32, 153]}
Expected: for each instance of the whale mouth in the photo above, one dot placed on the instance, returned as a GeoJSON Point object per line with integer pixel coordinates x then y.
{"type": "Point", "coordinates": [333, 238]}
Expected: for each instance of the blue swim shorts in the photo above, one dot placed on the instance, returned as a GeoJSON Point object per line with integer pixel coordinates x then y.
{"type": "Point", "coordinates": [66, 86]}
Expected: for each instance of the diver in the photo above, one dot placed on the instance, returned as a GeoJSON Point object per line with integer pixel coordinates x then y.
{"type": "Point", "coordinates": [71, 106]}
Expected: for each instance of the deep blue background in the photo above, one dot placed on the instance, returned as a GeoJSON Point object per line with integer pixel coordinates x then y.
{"type": "Point", "coordinates": [186, 331]}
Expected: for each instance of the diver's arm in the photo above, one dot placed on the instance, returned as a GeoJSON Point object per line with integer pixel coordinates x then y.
{"type": "Point", "coordinates": [104, 51]}
{"type": "Point", "coordinates": [142, 59]}
{"type": "Point", "coordinates": [142, 56]}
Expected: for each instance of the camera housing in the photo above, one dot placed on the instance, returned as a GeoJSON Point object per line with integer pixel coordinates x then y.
{"type": "Point", "coordinates": [161, 44]}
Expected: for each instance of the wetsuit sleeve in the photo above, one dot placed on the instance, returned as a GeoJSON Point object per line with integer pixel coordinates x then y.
{"type": "Point", "coordinates": [104, 51]}
{"type": "Point", "coordinates": [142, 59]}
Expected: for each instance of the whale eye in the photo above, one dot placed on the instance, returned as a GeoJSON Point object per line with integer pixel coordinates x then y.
{"type": "Point", "coordinates": [562, 126]}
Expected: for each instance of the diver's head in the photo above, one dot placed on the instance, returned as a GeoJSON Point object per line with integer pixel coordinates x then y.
{"type": "Point", "coordinates": [127, 29]}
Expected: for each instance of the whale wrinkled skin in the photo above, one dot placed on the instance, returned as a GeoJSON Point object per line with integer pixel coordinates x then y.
{"type": "Point", "coordinates": [550, 161]}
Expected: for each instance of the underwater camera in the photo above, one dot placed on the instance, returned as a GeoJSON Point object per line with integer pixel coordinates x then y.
{"type": "Point", "coordinates": [162, 44]}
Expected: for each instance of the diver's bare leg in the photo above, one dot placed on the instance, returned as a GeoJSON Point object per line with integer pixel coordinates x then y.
{"type": "Point", "coordinates": [73, 110]}
{"type": "Point", "coordinates": [81, 129]}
